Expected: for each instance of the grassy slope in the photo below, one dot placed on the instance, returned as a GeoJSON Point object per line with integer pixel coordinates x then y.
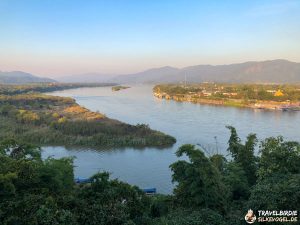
{"type": "Point", "coordinates": [49, 120]}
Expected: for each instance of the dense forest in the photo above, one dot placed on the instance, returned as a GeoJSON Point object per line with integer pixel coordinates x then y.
{"type": "Point", "coordinates": [210, 190]}
{"type": "Point", "coordinates": [48, 120]}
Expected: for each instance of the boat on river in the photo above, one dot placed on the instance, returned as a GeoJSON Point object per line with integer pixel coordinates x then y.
{"type": "Point", "coordinates": [147, 191]}
{"type": "Point", "coordinates": [290, 108]}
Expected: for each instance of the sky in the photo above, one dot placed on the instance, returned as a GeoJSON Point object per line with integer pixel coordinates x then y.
{"type": "Point", "coordinates": [63, 37]}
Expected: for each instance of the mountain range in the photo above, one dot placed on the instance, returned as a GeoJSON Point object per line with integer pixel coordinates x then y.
{"type": "Point", "coordinates": [19, 77]}
{"type": "Point", "coordinates": [271, 71]}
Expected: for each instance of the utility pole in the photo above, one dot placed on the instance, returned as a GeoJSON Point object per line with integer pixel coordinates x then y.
{"type": "Point", "coordinates": [207, 151]}
{"type": "Point", "coordinates": [216, 144]}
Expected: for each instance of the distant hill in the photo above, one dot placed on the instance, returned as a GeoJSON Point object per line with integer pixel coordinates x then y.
{"type": "Point", "coordinates": [151, 75]}
{"type": "Point", "coordinates": [272, 71]}
{"type": "Point", "coordinates": [86, 78]}
{"type": "Point", "coordinates": [19, 77]}
{"type": "Point", "coordinates": [156, 75]}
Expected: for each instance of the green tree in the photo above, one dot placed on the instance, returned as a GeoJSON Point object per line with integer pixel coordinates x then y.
{"type": "Point", "coordinates": [278, 156]}
{"type": "Point", "coordinates": [110, 202]}
{"type": "Point", "coordinates": [219, 161]}
{"type": "Point", "coordinates": [191, 217]}
{"type": "Point", "coordinates": [27, 184]}
{"type": "Point", "coordinates": [235, 178]}
{"type": "Point", "coordinates": [13, 149]}
{"type": "Point", "coordinates": [278, 186]}
{"type": "Point", "coordinates": [199, 181]}
{"type": "Point", "coordinates": [243, 154]}
{"type": "Point", "coordinates": [276, 192]}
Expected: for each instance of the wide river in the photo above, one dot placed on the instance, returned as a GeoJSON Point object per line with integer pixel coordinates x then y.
{"type": "Point", "coordinates": [187, 122]}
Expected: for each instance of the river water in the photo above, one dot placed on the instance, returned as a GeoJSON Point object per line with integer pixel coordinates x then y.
{"type": "Point", "coordinates": [187, 122]}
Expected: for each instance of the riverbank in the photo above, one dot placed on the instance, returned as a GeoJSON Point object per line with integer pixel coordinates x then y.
{"type": "Point", "coordinates": [160, 91]}
{"type": "Point", "coordinates": [50, 120]}
{"type": "Point", "coordinates": [7, 89]}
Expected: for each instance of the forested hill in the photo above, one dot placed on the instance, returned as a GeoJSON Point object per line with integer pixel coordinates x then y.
{"type": "Point", "coordinates": [19, 77]}
{"type": "Point", "coordinates": [272, 71]}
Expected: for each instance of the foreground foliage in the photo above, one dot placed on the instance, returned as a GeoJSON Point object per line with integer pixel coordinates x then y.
{"type": "Point", "coordinates": [210, 190]}
{"type": "Point", "coordinates": [35, 191]}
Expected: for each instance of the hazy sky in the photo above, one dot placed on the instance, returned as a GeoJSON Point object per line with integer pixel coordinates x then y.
{"type": "Point", "coordinates": [56, 37]}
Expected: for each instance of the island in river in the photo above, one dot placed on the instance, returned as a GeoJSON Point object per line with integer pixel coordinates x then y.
{"type": "Point", "coordinates": [257, 96]}
{"type": "Point", "coordinates": [29, 116]}
{"type": "Point", "coordinates": [118, 88]}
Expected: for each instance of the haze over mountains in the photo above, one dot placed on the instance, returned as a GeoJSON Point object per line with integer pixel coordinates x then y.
{"type": "Point", "coordinates": [272, 71]}
{"type": "Point", "coordinates": [19, 77]}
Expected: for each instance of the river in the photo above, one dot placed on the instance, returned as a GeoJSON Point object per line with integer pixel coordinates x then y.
{"type": "Point", "coordinates": [187, 122]}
